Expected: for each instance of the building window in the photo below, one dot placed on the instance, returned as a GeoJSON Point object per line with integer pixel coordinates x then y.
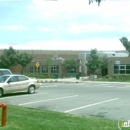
{"type": "Point", "coordinates": [37, 70]}
{"type": "Point", "coordinates": [30, 69]}
{"type": "Point", "coordinates": [128, 66]}
{"type": "Point", "coordinates": [44, 69]}
{"type": "Point", "coordinates": [55, 69]}
{"type": "Point", "coordinates": [122, 69]}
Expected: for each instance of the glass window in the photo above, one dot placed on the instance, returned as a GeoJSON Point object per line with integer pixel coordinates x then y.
{"type": "Point", "coordinates": [127, 71]}
{"type": "Point", "coordinates": [22, 78]}
{"type": "Point", "coordinates": [116, 66]}
{"type": "Point", "coordinates": [55, 69]}
{"type": "Point", "coordinates": [1, 73]}
{"type": "Point", "coordinates": [13, 79]}
{"type": "Point", "coordinates": [122, 71]}
{"type": "Point", "coordinates": [5, 72]}
{"type": "Point", "coordinates": [3, 78]}
{"type": "Point", "coordinates": [30, 69]}
{"type": "Point", "coordinates": [115, 71]}
{"type": "Point", "coordinates": [37, 70]}
{"type": "Point", "coordinates": [122, 67]}
{"type": "Point", "coordinates": [127, 66]}
{"type": "Point", "coordinates": [44, 69]}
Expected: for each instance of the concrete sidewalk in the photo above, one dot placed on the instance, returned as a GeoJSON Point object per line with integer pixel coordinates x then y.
{"type": "Point", "coordinates": [74, 80]}
{"type": "Point", "coordinates": [64, 80]}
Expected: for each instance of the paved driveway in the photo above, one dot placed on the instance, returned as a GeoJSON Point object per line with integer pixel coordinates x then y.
{"type": "Point", "coordinates": [104, 100]}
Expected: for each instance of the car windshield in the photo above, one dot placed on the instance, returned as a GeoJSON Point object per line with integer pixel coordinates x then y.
{"type": "Point", "coordinates": [3, 78]}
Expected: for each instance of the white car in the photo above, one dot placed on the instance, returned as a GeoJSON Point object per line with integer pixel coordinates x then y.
{"type": "Point", "coordinates": [17, 83]}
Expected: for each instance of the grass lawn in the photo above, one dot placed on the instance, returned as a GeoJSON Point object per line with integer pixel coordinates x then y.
{"type": "Point", "coordinates": [20, 118]}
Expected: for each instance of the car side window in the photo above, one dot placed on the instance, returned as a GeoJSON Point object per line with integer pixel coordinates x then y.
{"type": "Point", "coordinates": [13, 79]}
{"type": "Point", "coordinates": [1, 73]}
{"type": "Point", "coordinates": [22, 78]}
{"type": "Point", "coordinates": [5, 72]}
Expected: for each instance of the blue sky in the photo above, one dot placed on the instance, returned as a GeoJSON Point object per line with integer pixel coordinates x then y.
{"type": "Point", "coordinates": [64, 24]}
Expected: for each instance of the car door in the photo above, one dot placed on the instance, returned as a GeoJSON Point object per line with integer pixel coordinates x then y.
{"type": "Point", "coordinates": [13, 85]}
{"type": "Point", "coordinates": [24, 83]}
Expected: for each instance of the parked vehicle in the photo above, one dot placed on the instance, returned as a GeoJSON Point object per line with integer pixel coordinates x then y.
{"type": "Point", "coordinates": [15, 83]}
{"type": "Point", "coordinates": [5, 71]}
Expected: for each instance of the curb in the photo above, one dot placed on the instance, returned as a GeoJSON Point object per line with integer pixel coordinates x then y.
{"type": "Point", "coordinates": [77, 81]}
{"type": "Point", "coordinates": [107, 82]}
{"type": "Point", "coordinates": [47, 81]}
{"type": "Point", "coordinates": [56, 81]}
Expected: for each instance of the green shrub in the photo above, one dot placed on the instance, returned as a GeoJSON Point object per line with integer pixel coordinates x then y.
{"type": "Point", "coordinates": [115, 76]}
{"type": "Point", "coordinates": [39, 75]}
{"type": "Point", "coordinates": [121, 77]}
{"type": "Point", "coordinates": [107, 76]}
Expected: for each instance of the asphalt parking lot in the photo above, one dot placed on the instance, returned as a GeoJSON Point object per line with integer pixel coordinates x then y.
{"type": "Point", "coordinates": [104, 100]}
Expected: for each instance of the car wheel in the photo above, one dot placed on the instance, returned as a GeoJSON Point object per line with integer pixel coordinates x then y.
{"type": "Point", "coordinates": [1, 93]}
{"type": "Point", "coordinates": [31, 89]}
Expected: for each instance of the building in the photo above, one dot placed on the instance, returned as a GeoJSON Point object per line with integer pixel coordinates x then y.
{"type": "Point", "coordinates": [53, 67]}
{"type": "Point", "coordinates": [112, 57]}
{"type": "Point", "coordinates": [41, 56]}
{"type": "Point", "coordinates": [118, 65]}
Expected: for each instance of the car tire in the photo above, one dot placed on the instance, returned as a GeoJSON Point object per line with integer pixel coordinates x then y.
{"type": "Point", "coordinates": [1, 93]}
{"type": "Point", "coordinates": [31, 89]}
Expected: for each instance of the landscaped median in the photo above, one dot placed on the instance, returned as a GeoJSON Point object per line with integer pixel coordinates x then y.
{"type": "Point", "coordinates": [115, 78]}
{"type": "Point", "coordinates": [20, 118]}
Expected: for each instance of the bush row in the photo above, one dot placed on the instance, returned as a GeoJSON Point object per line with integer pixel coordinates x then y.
{"type": "Point", "coordinates": [118, 76]}
{"type": "Point", "coordinates": [40, 75]}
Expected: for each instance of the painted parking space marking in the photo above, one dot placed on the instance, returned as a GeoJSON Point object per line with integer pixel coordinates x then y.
{"type": "Point", "coordinates": [110, 100]}
{"type": "Point", "coordinates": [22, 96]}
{"type": "Point", "coordinates": [99, 85]}
{"type": "Point", "coordinates": [123, 87]}
{"type": "Point", "coordinates": [109, 86]}
{"type": "Point", "coordinates": [48, 86]}
{"type": "Point", "coordinates": [53, 99]}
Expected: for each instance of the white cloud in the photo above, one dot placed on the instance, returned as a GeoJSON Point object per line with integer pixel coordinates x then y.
{"type": "Point", "coordinates": [61, 8]}
{"type": "Point", "coordinates": [75, 16]}
{"type": "Point", "coordinates": [45, 29]}
{"type": "Point", "coordinates": [99, 44]}
{"type": "Point", "coordinates": [104, 18]}
{"type": "Point", "coordinates": [78, 28]}
{"type": "Point", "coordinates": [107, 8]}
{"type": "Point", "coordinates": [94, 27]}
{"type": "Point", "coordinates": [14, 27]}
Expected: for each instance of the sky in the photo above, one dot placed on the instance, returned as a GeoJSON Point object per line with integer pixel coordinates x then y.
{"type": "Point", "coordinates": [64, 24]}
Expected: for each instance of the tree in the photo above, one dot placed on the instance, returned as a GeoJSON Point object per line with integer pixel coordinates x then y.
{"type": "Point", "coordinates": [91, 1]}
{"type": "Point", "coordinates": [24, 59]}
{"type": "Point", "coordinates": [70, 63]}
{"type": "Point", "coordinates": [8, 58]}
{"type": "Point", "coordinates": [103, 64]}
{"type": "Point", "coordinates": [11, 57]}
{"type": "Point", "coordinates": [125, 43]}
{"type": "Point", "coordinates": [93, 61]}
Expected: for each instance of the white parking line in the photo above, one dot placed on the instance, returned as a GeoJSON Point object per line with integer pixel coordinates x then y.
{"type": "Point", "coordinates": [22, 95]}
{"type": "Point", "coordinates": [124, 87]}
{"type": "Point", "coordinates": [48, 100]}
{"type": "Point", "coordinates": [91, 105]}
{"type": "Point", "coordinates": [49, 86]}
{"type": "Point", "coordinates": [108, 86]}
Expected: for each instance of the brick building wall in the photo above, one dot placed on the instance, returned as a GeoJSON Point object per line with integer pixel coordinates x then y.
{"type": "Point", "coordinates": [44, 54]}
